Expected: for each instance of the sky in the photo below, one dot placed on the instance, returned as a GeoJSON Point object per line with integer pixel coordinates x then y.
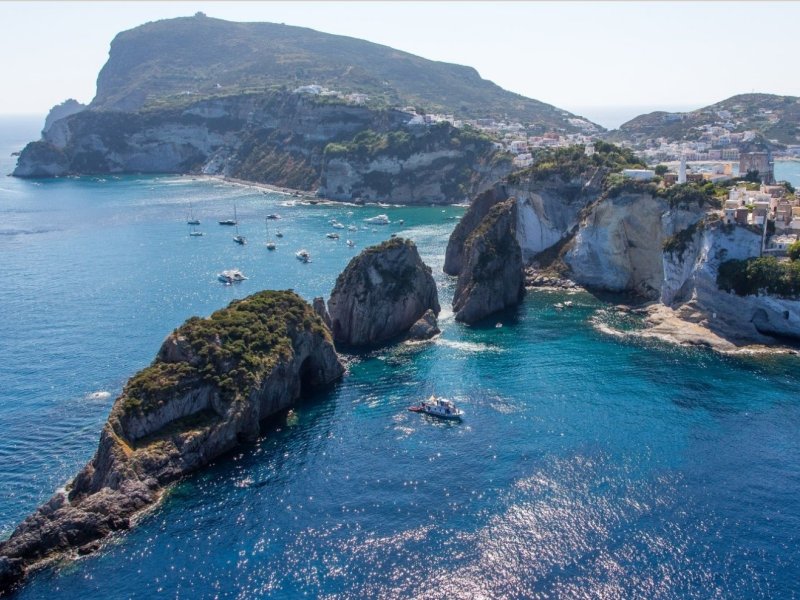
{"type": "Point", "coordinates": [603, 60]}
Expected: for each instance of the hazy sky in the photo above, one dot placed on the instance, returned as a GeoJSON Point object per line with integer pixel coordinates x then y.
{"type": "Point", "coordinates": [654, 55]}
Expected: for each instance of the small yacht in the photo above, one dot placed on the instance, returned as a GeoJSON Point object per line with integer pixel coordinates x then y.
{"type": "Point", "coordinates": [231, 276]}
{"type": "Point", "coordinates": [303, 256]}
{"type": "Point", "coordinates": [351, 243]}
{"type": "Point", "coordinates": [273, 217]}
{"type": "Point", "coordinates": [278, 234]}
{"type": "Point", "coordinates": [337, 225]}
{"type": "Point", "coordinates": [333, 236]}
{"type": "Point", "coordinates": [378, 220]}
{"type": "Point", "coordinates": [438, 407]}
{"type": "Point", "coordinates": [352, 228]}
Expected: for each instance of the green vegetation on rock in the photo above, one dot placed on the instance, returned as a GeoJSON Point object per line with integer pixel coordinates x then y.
{"type": "Point", "coordinates": [572, 162]}
{"type": "Point", "coordinates": [161, 63]}
{"type": "Point", "coordinates": [764, 275]}
{"type": "Point", "coordinates": [233, 349]}
{"type": "Point", "coordinates": [402, 144]}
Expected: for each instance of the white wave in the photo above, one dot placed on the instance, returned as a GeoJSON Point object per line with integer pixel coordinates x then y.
{"type": "Point", "coordinates": [474, 347]}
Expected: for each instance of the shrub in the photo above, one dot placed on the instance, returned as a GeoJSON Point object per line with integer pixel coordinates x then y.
{"type": "Point", "coordinates": [763, 275]}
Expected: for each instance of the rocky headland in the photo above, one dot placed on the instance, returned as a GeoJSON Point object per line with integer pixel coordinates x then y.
{"type": "Point", "coordinates": [254, 115]}
{"type": "Point", "coordinates": [580, 224]}
{"type": "Point", "coordinates": [212, 383]}
{"type": "Point", "coordinates": [381, 294]}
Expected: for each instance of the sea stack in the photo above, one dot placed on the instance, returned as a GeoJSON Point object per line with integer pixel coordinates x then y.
{"type": "Point", "coordinates": [209, 387]}
{"type": "Point", "coordinates": [491, 276]}
{"type": "Point", "coordinates": [381, 293]}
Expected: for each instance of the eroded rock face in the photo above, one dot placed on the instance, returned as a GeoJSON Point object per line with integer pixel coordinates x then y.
{"type": "Point", "coordinates": [548, 210]}
{"type": "Point", "coordinates": [478, 209]}
{"type": "Point", "coordinates": [425, 328]}
{"type": "Point", "coordinates": [619, 246]}
{"type": "Point", "coordinates": [206, 390]}
{"type": "Point", "coordinates": [492, 277]}
{"type": "Point", "coordinates": [381, 293]}
{"type": "Point", "coordinates": [690, 287]}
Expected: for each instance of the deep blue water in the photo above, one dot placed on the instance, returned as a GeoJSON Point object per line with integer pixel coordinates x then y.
{"type": "Point", "coordinates": [585, 466]}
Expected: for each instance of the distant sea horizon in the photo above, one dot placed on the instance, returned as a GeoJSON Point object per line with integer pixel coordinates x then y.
{"type": "Point", "coordinates": [611, 117]}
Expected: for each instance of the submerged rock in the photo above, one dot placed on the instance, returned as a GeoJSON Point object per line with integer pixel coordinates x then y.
{"type": "Point", "coordinates": [381, 293]}
{"type": "Point", "coordinates": [425, 328]}
{"type": "Point", "coordinates": [211, 384]}
{"type": "Point", "coordinates": [492, 275]}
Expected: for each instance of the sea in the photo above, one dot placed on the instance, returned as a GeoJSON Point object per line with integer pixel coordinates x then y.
{"type": "Point", "coordinates": [586, 465]}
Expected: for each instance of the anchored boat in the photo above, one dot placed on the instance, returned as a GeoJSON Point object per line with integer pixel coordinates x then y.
{"type": "Point", "coordinates": [438, 407]}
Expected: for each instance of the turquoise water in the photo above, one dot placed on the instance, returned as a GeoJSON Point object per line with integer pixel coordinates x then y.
{"type": "Point", "coordinates": [585, 466]}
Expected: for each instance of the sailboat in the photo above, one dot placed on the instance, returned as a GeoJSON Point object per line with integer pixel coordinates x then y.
{"type": "Point", "coordinates": [194, 232]}
{"type": "Point", "coordinates": [191, 220]}
{"type": "Point", "coordinates": [232, 221]}
{"type": "Point", "coordinates": [239, 239]}
{"type": "Point", "coordinates": [270, 243]}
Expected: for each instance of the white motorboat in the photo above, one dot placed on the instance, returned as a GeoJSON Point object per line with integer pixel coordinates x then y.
{"type": "Point", "coordinates": [351, 243]}
{"type": "Point", "coordinates": [352, 228]}
{"type": "Point", "coordinates": [303, 255]}
{"type": "Point", "coordinates": [337, 225]}
{"type": "Point", "coordinates": [378, 220]}
{"type": "Point", "coordinates": [231, 276]}
{"type": "Point", "coordinates": [438, 407]}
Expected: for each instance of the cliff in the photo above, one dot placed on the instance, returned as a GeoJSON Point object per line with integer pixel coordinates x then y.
{"type": "Point", "coordinates": [491, 277]}
{"type": "Point", "coordinates": [62, 111]}
{"type": "Point", "coordinates": [437, 164]}
{"type": "Point", "coordinates": [211, 384]}
{"type": "Point", "coordinates": [691, 288]}
{"type": "Point", "coordinates": [551, 196]}
{"type": "Point", "coordinates": [341, 150]}
{"type": "Point", "coordinates": [381, 293]}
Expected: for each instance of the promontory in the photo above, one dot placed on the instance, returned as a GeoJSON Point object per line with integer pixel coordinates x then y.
{"type": "Point", "coordinates": [212, 383]}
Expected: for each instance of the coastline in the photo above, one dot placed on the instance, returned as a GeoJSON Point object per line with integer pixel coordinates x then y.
{"type": "Point", "coordinates": [664, 324]}
{"type": "Point", "coordinates": [262, 186]}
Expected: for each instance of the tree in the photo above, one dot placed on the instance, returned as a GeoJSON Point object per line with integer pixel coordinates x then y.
{"type": "Point", "coordinates": [794, 250]}
{"type": "Point", "coordinates": [752, 176]}
{"type": "Point", "coordinates": [661, 170]}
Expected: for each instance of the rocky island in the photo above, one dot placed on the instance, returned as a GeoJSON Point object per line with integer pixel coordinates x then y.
{"type": "Point", "coordinates": [212, 383]}
{"type": "Point", "coordinates": [381, 294]}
